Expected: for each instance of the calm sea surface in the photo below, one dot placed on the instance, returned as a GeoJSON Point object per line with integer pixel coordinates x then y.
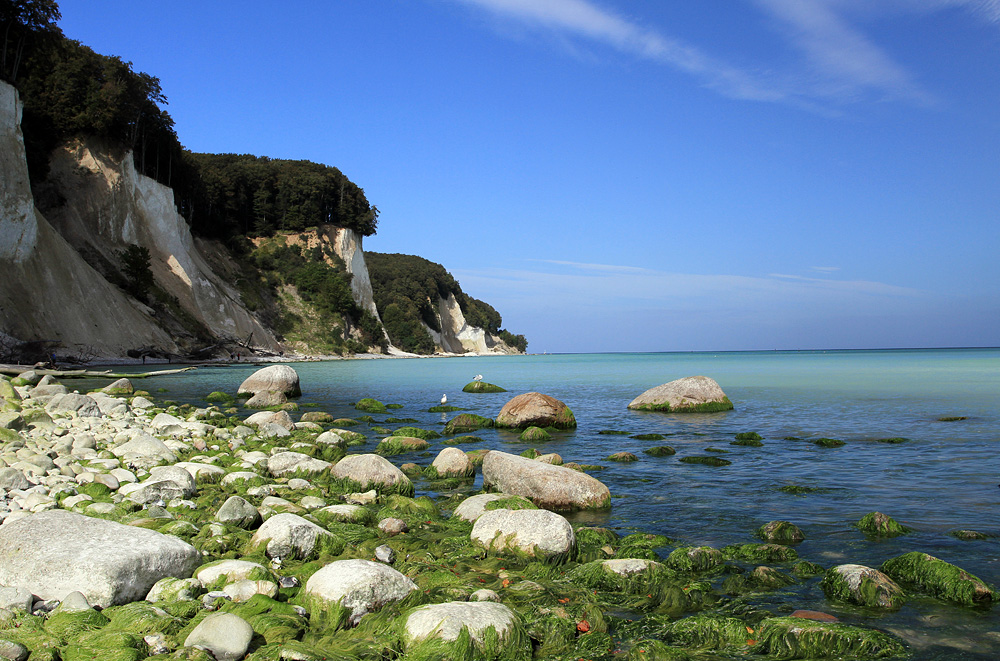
{"type": "Point", "coordinates": [943, 478]}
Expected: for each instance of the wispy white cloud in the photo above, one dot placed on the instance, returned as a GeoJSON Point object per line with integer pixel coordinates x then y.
{"type": "Point", "coordinates": [826, 269]}
{"type": "Point", "coordinates": [587, 19]}
{"type": "Point", "coordinates": [838, 62]}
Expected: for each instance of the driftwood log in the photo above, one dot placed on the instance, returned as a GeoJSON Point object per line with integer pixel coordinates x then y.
{"type": "Point", "coordinates": [14, 370]}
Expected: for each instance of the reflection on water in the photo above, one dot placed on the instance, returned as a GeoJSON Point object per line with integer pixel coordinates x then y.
{"type": "Point", "coordinates": [943, 478]}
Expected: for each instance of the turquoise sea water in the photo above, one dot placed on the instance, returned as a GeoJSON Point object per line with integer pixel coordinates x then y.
{"type": "Point", "coordinates": [943, 478]}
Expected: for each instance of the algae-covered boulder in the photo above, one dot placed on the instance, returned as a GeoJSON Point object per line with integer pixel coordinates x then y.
{"type": "Point", "coordinates": [370, 471]}
{"type": "Point", "coordinates": [533, 409]}
{"type": "Point", "coordinates": [492, 631]}
{"type": "Point", "coordinates": [121, 387]}
{"type": "Point", "coordinates": [695, 558]}
{"type": "Point", "coordinates": [629, 575]}
{"type": "Point", "coordinates": [226, 635]}
{"type": "Point", "coordinates": [289, 535]}
{"type": "Point", "coordinates": [548, 486]}
{"type": "Point", "coordinates": [876, 524]}
{"type": "Point", "coordinates": [938, 578]}
{"type": "Point", "coordinates": [284, 464]}
{"type": "Point", "coordinates": [401, 444]}
{"type": "Point", "coordinates": [482, 387]}
{"type": "Point", "coordinates": [371, 405]}
{"type": "Point", "coordinates": [693, 394]}
{"type": "Point", "coordinates": [540, 533]}
{"type": "Point", "coordinates": [862, 585]}
{"type": "Point", "coordinates": [467, 422]}
{"type": "Point", "coordinates": [239, 513]}
{"type": "Point", "coordinates": [781, 532]}
{"type": "Point", "coordinates": [535, 435]}
{"type": "Point", "coordinates": [798, 638]}
{"type": "Point", "coordinates": [358, 586]}
{"type": "Point", "coordinates": [279, 378]}
{"type": "Point", "coordinates": [57, 552]}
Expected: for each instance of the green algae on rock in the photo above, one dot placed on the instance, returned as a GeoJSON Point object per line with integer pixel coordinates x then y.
{"type": "Point", "coordinates": [416, 432]}
{"type": "Point", "coordinates": [759, 553]}
{"type": "Point", "coordinates": [660, 451]}
{"type": "Point", "coordinates": [623, 457]}
{"type": "Point", "coordinates": [749, 436]}
{"type": "Point", "coordinates": [782, 532]}
{"type": "Point", "coordinates": [535, 435]}
{"type": "Point", "coordinates": [940, 579]}
{"type": "Point", "coordinates": [748, 442]}
{"type": "Point", "coordinates": [876, 524]}
{"type": "Point", "coordinates": [371, 405]}
{"type": "Point", "coordinates": [798, 638]}
{"type": "Point", "coordinates": [467, 422]}
{"type": "Point", "coordinates": [761, 579]}
{"type": "Point", "coordinates": [706, 461]}
{"type": "Point", "coordinates": [969, 535]}
{"type": "Point", "coordinates": [863, 586]}
{"type": "Point", "coordinates": [695, 558]}
{"type": "Point", "coordinates": [392, 445]}
{"type": "Point", "coordinates": [648, 437]}
{"type": "Point", "coordinates": [828, 442]}
{"type": "Point", "coordinates": [482, 387]}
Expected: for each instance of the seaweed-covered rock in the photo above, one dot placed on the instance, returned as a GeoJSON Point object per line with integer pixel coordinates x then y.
{"type": "Point", "coordinates": [709, 631]}
{"type": "Point", "coordinates": [623, 457]}
{"type": "Point", "coordinates": [939, 579]}
{"type": "Point", "coordinates": [289, 535]}
{"type": "Point", "coordinates": [862, 585]}
{"type": "Point", "coordinates": [535, 435]}
{"type": "Point", "coordinates": [57, 552]}
{"type": "Point", "coordinates": [467, 422]}
{"type": "Point", "coordinates": [416, 432]}
{"type": "Point", "coordinates": [481, 387]}
{"type": "Point", "coordinates": [391, 445]}
{"type": "Point", "coordinates": [760, 553]}
{"type": "Point", "coordinates": [232, 570]}
{"type": "Point", "coordinates": [238, 512]}
{"type": "Point", "coordinates": [693, 394]}
{"type": "Point", "coordinates": [119, 388]}
{"type": "Point", "coordinates": [781, 532]}
{"type": "Point", "coordinates": [629, 575]}
{"type": "Point", "coordinates": [798, 638]}
{"type": "Point", "coordinates": [279, 378]}
{"type": "Point", "coordinates": [695, 558]}
{"type": "Point", "coordinates": [493, 631]}
{"type": "Point", "coordinates": [535, 532]}
{"type": "Point", "coordinates": [760, 579]}
{"type": "Point", "coordinates": [359, 586]}
{"type": "Point", "coordinates": [533, 409]}
{"type": "Point", "coordinates": [371, 406]}
{"type": "Point", "coordinates": [548, 486]}
{"type": "Point", "coordinates": [706, 460]}
{"type": "Point", "coordinates": [225, 635]}
{"type": "Point", "coordinates": [370, 471]}
{"type": "Point", "coordinates": [876, 524]}
{"type": "Point", "coordinates": [660, 451]}
{"type": "Point", "coordinates": [452, 462]}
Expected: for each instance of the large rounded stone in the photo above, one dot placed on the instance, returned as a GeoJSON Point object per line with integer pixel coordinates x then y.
{"type": "Point", "coordinates": [289, 463]}
{"type": "Point", "coordinates": [446, 621]}
{"type": "Point", "coordinates": [539, 532]}
{"type": "Point", "coordinates": [279, 378]}
{"type": "Point", "coordinates": [370, 471]}
{"type": "Point", "coordinates": [288, 535]}
{"type": "Point", "coordinates": [264, 418]}
{"type": "Point", "coordinates": [453, 462]}
{"type": "Point", "coordinates": [225, 635]}
{"type": "Point", "coordinates": [57, 552]}
{"type": "Point", "coordinates": [533, 409]}
{"type": "Point", "coordinates": [862, 585]}
{"type": "Point", "coordinates": [548, 486]}
{"type": "Point", "coordinates": [361, 586]}
{"type": "Point", "coordinates": [266, 399]}
{"type": "Point", "coordinates": [83, 406]}
{"type": "Point", "coordinates": [692, 394]}
{"type": "Point", "coordinates": [473, 507]}
{"type": "Point", "coordinates": [239, 513]}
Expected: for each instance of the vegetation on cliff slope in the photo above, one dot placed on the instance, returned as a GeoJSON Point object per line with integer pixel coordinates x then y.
{"type": "Point", "coordinates": [407, 289]}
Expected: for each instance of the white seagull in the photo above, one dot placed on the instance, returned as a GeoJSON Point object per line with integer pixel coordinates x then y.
{"type": "Point", "coordinates": [478, 377]}
{"type": "Point", "coordinates": [444, 399]}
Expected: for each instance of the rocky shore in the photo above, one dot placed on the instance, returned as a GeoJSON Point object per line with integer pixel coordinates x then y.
{"type": "Point", "coordinates": [133, 529]}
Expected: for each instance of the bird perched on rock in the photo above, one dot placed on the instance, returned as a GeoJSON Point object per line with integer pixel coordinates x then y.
{"type": "Point", "coordinates": [478, 377]}
{"type": "Point", "coordinates": [444, 399]}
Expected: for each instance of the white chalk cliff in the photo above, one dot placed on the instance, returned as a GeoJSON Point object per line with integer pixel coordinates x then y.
{"type": "Point", "coordinates": [457, 336]}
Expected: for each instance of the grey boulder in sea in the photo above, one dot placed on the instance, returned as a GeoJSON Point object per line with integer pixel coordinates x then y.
{"type": "Point", "coordinates": [547, 486]}
{"type": "Point", "coordinates": [692, 394]}
{"type": "Point", "coordinates": [275, 378]}
{"type": "Point", "coordinates": [533, 409]}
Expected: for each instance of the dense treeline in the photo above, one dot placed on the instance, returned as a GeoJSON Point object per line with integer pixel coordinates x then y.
{"type": "Point", "coordinates": [241, 194]}
{"type": "Point", "coordinates": [407, 289]}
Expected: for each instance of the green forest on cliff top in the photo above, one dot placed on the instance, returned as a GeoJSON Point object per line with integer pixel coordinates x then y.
{"type": "Point", "coordinates": [69, 91]}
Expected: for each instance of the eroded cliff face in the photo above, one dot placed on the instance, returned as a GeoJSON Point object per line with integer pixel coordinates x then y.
{"type": "Point", "coordinates": [457, 336]}
{"type": "Point", "coordinates": [47, 291]}
{"type": "Point", "coordinates": [105, 206]}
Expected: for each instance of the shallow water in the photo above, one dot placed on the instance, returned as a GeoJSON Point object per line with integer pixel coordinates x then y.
{"type": "Point", "coordinates": [943, 478]}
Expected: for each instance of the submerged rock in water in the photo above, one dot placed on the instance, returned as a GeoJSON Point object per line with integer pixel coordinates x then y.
{"type": "Point", "coordinates": [692, 394]}
{"type": "Point", "coordinates": [782, 532]}
{"type": "Point", "coordinates": [939, 579]}
{"type": "Point", "coordinates": [877, 524]}
{"type": "Point", "coordinates": [481, 387]}
{"type": "Point", "coordinates": [548, 486]}
{"type": "Point", "coordinates": [862, 585]}
{"type": "Point", "coordinates": [533, 409]}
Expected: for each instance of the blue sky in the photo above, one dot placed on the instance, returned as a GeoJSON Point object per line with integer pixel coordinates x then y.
{"type": "Point", "coordinates": [629, 176]}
